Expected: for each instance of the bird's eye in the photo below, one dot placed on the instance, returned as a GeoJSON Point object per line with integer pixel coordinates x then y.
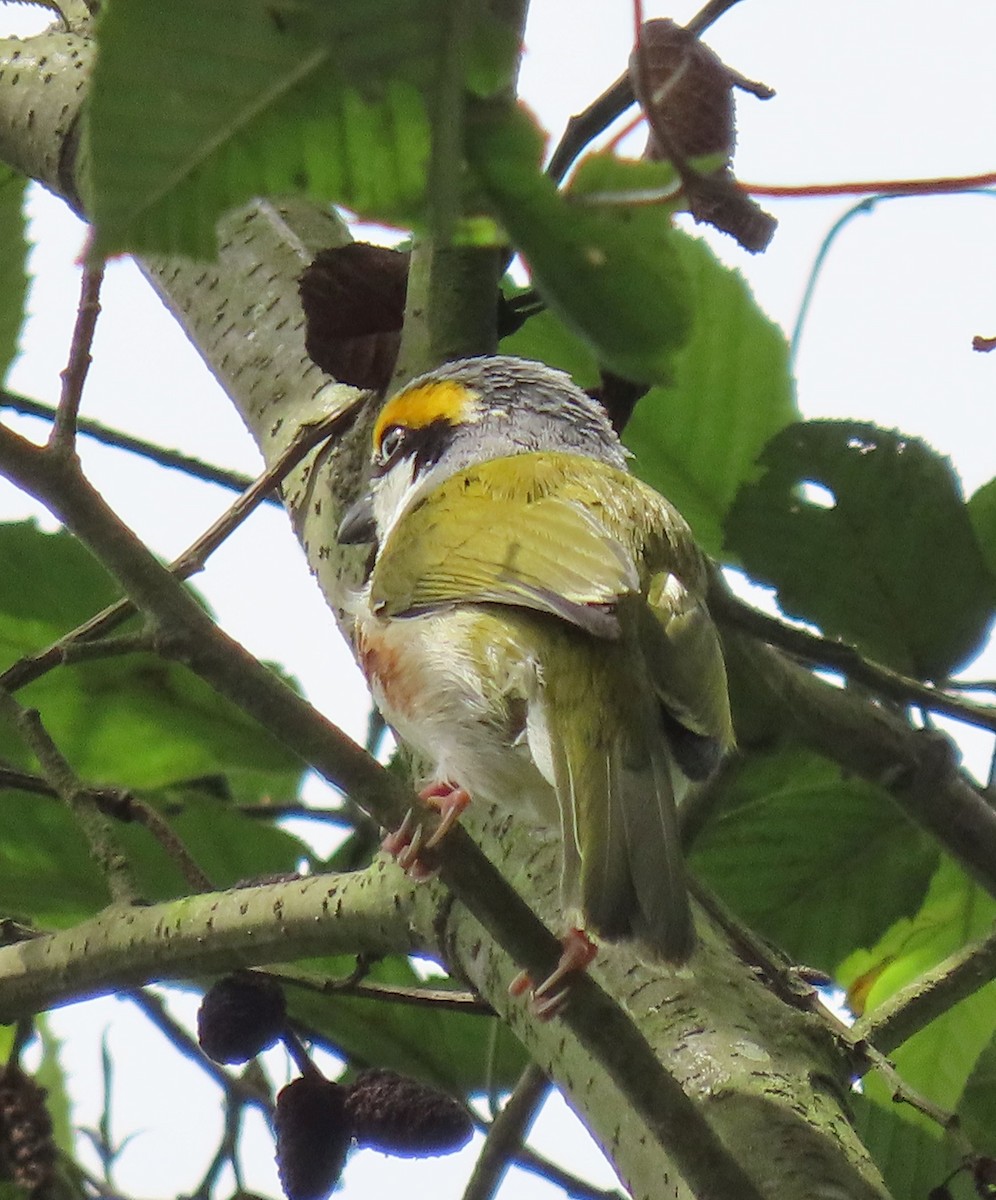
{"type": "Point", "coordinates": [390, 444]}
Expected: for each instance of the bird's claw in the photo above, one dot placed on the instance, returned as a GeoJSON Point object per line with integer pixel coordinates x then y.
{"type": "Point", "coordinates": [408, 842]}
{"type": "Point", "coordinates": [548, 998]}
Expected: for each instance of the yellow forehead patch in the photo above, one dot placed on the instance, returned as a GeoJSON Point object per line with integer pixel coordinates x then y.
{"type": "Point", "coordinates": [420, 406]}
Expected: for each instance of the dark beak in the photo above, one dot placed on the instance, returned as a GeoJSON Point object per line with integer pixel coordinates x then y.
{"type": "Point", "coordinates": [358, 525]}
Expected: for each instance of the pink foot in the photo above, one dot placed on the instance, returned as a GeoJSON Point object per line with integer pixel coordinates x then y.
{"type": "Point", "coordinates": [449, 801]}
{"type": "Point", "coordinates": [549, 998]}
{"type": "Point", "coordinates": [408, 842]}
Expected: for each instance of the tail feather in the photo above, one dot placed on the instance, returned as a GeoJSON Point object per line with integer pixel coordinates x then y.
{"type": "Point", "coordinates": [622, 852]}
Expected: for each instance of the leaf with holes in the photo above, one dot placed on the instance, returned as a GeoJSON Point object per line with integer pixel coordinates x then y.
{"type": "Point", "coordinates": [864, 532]}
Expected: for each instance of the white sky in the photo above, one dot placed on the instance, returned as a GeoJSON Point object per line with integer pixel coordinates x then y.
{"type": "Point", "coordinates": [866, 90]}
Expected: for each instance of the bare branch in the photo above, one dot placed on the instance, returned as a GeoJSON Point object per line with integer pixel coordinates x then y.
{"type": "Point", "coordinates": [62, 439]}
{"type": "Point", "coordinates": [232, 480]}
{"type": "Point", "coordinates": [192, 560]}
{"type": "Point", "coordinates": [507, 1133]}
{"type": "Point", "coordinates": [840, 656]}
{"type": "Point", "coordinates": [931, 995]}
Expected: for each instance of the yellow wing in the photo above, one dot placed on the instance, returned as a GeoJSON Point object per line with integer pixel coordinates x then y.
{"type": "Point", "coordinates": [571, 537]}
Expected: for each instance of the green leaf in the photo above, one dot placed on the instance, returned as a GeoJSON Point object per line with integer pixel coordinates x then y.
{"type": "Point", "coordinates": [938, 1060]}
{"type": "Point", "coordinates": [241, 98]}
{"type": "Point", "coordinates": [882, 554]}
{"type": "Point", "coordinates": [697, 439]}
{"type": "Point", "coordinates": [818, 862]}
{"type": "Point", "coordinates": [545, 338]}
{"type": "Point", "coordinates": [461, 1053]}
{"type": "Point", "coordinates": [977, 1110]}
{"type": "Point", "coordinates": [52, 1078]}
{"type": "Point", "coordinates": [46, 873]}
{"type": "Point", "coordinates": [134, 721]}
{"type": "Point", "coordinates": [13, 256]}
{"type": "Point", "coordinates": [227, 845]}
{"type": "Point", "coordinates": [912, 1158]}
{"type": "Point", "coordinates": [982, 514]}
{"type": "Point", "coordinates": [611, 272]}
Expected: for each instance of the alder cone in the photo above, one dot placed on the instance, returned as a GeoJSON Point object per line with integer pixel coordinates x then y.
{"type": "Point", "coordinates": [27, 1148]}
{"type": "Point", "coordinates": [313, 1136]}
{"type": "Point", "coordinates": [240, 1016]}
{"type": "Point", "coordinates": [399, 1115]}
{"type": "Point", "coordinates": [686, 91]}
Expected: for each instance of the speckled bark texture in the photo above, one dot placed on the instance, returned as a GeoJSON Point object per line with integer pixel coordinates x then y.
{"type": "Point", "coordinates": [767, 1078]}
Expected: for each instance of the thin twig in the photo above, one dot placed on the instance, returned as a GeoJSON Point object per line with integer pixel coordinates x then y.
{"type": "Point", "coordinates": [126, 807]}
{"type": "Point", "coordinates": [902, 1093]}
{"type": "Point", "coordinates": [104, 847]}
{"type": "Point", "coordinates": [24, 781]}
{"type": "Point", "coordinates": [585, 126]}
{"type": "Point", "coordinates": [355, 985]}
{"type": "Point", "coordinates": [299, 1054]}
{"type": "Point", "coordinates": [708, 15]}
{"type": "Point", "coordinates": [507, 1133]}
{"type": "Point", "coordinates": [935, 992]}
{"type": "Point", "coordinates": [119, 805]}
{"type": "Point", "coordinates": [833, 655]}
{"type": "Point", "coordinates": [174, 459]}
{"type": "Point", "coordinates": [62, 438]}
{"type": "Point", "coordinates": [33, 666]}
{"type": "Point", "coordinates": [939, 186]}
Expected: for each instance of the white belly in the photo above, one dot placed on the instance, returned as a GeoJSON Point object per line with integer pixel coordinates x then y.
{"type": "Point", "coordinates": [462, 689]}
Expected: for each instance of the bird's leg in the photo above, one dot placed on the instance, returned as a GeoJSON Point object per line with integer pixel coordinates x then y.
{"type": "Point", "coordinates": [408, 842]}
{"type": "Point", "coordinates": [549, 998]}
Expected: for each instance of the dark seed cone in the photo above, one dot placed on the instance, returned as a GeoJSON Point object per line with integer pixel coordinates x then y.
{"type": "Point", "coordinates": [27, 1148]}
{"type": "Point", "coordinates": [354, 304]}
{"type": "Point", "coordinates": [313, 1137]}
{"type": "Point", "coordinates": [685, 90]}
{"type": "Point", "coordinates": [398, 1115]}
{"type": "Point", "coordinates": [240, 1016]}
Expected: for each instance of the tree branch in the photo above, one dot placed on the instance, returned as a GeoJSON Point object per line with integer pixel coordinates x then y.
{"type": "Point", "coordinates": [232, 480]}
{"type": "Point", "coordinates": [507, 1133]}
{"type": "Point", "coordinates": [840, 656]}
{"type": "Point", "coordinates": [62, 438]}
{"type": "Point", "coordinates": [931, 995]}
{"type": "Point", "coordinates": [210, 933]}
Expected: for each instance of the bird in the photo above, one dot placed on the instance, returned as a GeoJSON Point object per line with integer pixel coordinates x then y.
{"type": "Point", "coordinates": [534, 624]}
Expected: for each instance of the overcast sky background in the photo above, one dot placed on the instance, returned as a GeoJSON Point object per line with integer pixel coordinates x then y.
{"type": "Point", "coordinates": [866, 89]}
